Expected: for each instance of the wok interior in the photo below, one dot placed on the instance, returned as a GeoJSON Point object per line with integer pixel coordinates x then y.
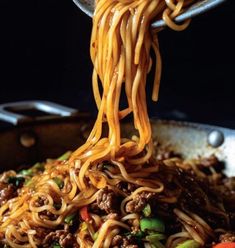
{"type": "Point", "coordinates": [191, 141]}
{"type": "Point", "coordinates": [55, 138]}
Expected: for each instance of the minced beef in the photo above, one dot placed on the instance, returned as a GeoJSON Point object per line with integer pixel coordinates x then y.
{"type": "Point", "coordinates": [117, 240]}
{"type": "Point", "coordinates": [123, 242]}
{"type": "Point", "coordinates": [112, 216]}
{"type": "Point", "coordinates": [41, 233]}
{"type": "Point", "coordinates": [41, 201]}
{"type": "Point", "coordinates": [47, 215]}
{"type": "Point", "coordinates": [7, 191]}
{"type": "Point", "coordinates": [126, 187]}
{"type": "Point", "coordinates": [227, 237]}
{"type": "Point", "coordinates": [107, 200]}
{"type": "Point", "coordinates": [210, 161]}
{"type": "Point", "coordinates": [139, 202]}
{"type": "Point", "coordinates": [64, 238]}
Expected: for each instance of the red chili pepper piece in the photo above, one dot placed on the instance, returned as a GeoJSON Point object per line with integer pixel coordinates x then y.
{"type": "Point", "coordinates": [225, 245]}
{"type": "Point", "coordinates": [84, 213]}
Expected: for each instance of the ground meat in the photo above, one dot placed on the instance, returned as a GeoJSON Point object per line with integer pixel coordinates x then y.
{"type": "Point", "coordinates": [64, 238]}
{"type": "Point", "coordinates": [41, 201]}
{"type": "Point", "coordinates": [47, 215]}
{"type": "Point", "coordinates": [117, 240]}
{"type": "Point", "coordinates": [123, 242]}
{"type": "Point", "coordinates": [41, 233]}
{"type": "Point", "coordinates": [134, 224]}
{"type": "Point", "coordinates": [138, 203]}
{"type": "Point", "coordinates": [126, 187]}
{"type": "Point", "coordinates": [209, 161]}
{"type": "Point", "coordinates": [227, 237]}
{"type": "Point", "coordinates": [107, 200]}
{"type": "Point", "coordinates": [112, 216]}
{"type": "Point", "coordinates": [7, 191]}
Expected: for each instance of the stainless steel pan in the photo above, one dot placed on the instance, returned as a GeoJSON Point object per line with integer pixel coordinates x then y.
{"type": "Point", "coordinates": [29, 139]}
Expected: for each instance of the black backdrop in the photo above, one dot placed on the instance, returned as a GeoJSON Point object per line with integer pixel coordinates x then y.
{"type": "Point", "coordinates": [44, 54]}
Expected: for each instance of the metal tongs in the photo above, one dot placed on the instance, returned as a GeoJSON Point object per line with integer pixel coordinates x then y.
{"type": "Point", "coordinates": [87, 6]}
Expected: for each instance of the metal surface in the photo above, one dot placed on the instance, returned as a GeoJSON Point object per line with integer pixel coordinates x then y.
{"type": "Point", "coordinates": [8, 110]}
{"type": "Point", "coordinates": [52, 138]}
{"type": "Point", "coordinates": [191, 140]}
{"type": "Point", "coordinates": [87, 6]}
{"type": "Point", "coordinates": [215, 138]}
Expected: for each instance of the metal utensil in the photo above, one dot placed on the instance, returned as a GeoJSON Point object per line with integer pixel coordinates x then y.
{"type": "Point", "coordinates": [87, 6]}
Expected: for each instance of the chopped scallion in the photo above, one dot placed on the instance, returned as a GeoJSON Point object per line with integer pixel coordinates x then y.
{"type": "Point", "coordinates": [28, 172]}
{"type": "Point", "coordinates": [59, 182]}
{"type": "Point", "coordinates": [189, 244]}
{"type": "Point", "coordinates": [95, 235]}
{"type": "Point", "coordinates": [152, 224]}
{"type": "Point", "coordinates": [147, 210]}
{"type": "Point", "coordinates": [28, 182]}
{"type": "Point", "coordinates": [65, 156]}
{"type": "Point", "coordinates": [152, 238]}
{"type": "Point", "coordinates": [39, 167]}
{"type": "Point", "coordinates": [56, 245]}
{"type": "Point", "coordinates": [69, 219]}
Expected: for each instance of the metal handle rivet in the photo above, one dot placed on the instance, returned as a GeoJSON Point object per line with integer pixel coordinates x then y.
{"type": "Point", "coordinates": [215, 138]}
{"type": "Point", "coordinates": [27, 140]}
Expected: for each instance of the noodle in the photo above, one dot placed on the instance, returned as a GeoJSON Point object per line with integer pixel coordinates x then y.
{"type": "Point", "coordinates": [100, 194]}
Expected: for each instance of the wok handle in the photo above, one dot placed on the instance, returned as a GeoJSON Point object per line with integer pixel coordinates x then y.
{"type": "Point", "coordinates": [8, 111]}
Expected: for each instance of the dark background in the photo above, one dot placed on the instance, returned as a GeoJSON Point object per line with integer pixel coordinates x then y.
{"type": "Point", "coordinates": [44, 54]}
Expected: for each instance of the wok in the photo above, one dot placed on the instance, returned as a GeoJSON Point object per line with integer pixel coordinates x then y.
{"type": "Point", "coordinates": [59, 129]}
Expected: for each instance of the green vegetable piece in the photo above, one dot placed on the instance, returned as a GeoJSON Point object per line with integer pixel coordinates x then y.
{"type": "Point", "coordinates": [28, 172]}
{"type": "Point", "coordinates": [65, 156]}
{"type": "Point", "coordinates": [28, 182]}
{"type": "Point", "coordinates": [138, 234]}
{"type": "Point", "coordinates": [95, 235]}
{"type": "Point", "coordinates": [157, 244]}
{"type": "Point", "coordinates": [56, 245]}
{"type": "Point", "coordinates": [83, 226]}
{"type": "Point", "coordinates": [152, 224]}
{"type": "Point", "coordinates": [59, 182]}
{"type": "Point", "coordinates": [189, 244]}
{"type": "Point", "coordinates": [16, 181]}
{"type": "Point", "coordinates": [147, 210]}
{"type": "Point", "coordinates": [39, 167]}
{"type": "Point", "coordinates": [69, 219]}
{"type": "Point", "coordinates": [153, 238]}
